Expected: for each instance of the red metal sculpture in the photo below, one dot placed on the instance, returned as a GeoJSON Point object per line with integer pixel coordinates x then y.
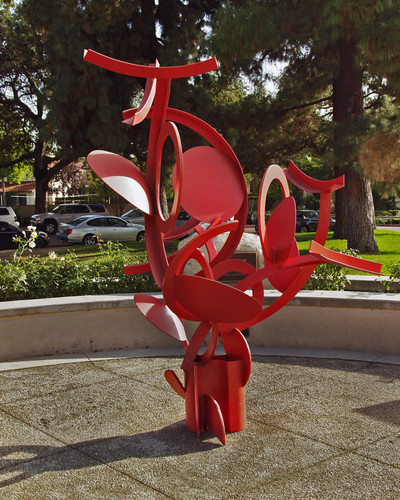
{"type": "Point", "coordinates": [209, 184]}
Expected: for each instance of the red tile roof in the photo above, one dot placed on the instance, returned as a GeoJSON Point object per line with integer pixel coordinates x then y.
{"type": "Point", "coordinates": [24, 187]}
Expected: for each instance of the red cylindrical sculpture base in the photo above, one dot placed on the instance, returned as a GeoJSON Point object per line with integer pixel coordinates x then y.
{"type": "Point", "coordinates": [222, 379]}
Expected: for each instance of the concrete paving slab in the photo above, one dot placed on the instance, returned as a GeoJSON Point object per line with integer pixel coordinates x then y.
{"type": "Point", "coordinates": [70, 475]}
{"type": "Point", "coordinates": [347, 372]}
{"type": "Point", "coordinates": [386, 450]}
{"type": "Point", "coordinates": [186, 468]}
{"type": "Point", "coordinates": [114, 429]}
{"type": "Point", "coordinates": [36, 443]}
{"type": "Point", "coordinates": [99, 410]}
{"type": "Point", "coordinates": [42, 361]}
{"type": "Point", "coordinates": [329, 411]}
{"type": "Point", "coordinates": [344, 477]}
{"type": "Point", "coordinates": [38, 381]}
{"type": "Point", "coordinates": [140, 371]}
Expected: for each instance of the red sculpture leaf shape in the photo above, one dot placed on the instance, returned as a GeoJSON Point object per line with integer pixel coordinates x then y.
{"type": "Point", "coordinates": [213, 417]}
{"type": "Point", "coordinates": [309, 184]}
{"type": "Point", "coordinates": [172, 378]}
{"type": "Point", "coordinates": [161, 316]}
{"type": "Point", "coordinates": [283, 278]}
{"type": "Point", "coordinates": [137, 115]}
{"type": "Point", "coordinates": [236, 347]}
{"type": "Point", "coordinates": [211, 184]}
{"type": "Point", "coordinates": [331, 256]}
{"type": "Point", "coordinates": [280, 231]}
{"type": "Point", "coordinates": [211, 300]}
{"type": "Point", "coordinates": [279, 244]}
{"type": "Point", "coordinates": [140, 71]}
{"type": "Point", "coordinates": [123, 177]}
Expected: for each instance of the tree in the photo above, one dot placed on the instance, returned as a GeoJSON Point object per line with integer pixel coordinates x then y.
{"type": "Point", "coordinates": [67, 107]}
{"type": "Point", "coordinates": [47, 86]}
{"type": "Point", "coordinates": [13, 144]}
{"type": "Point", "coordinates": [339, 50]}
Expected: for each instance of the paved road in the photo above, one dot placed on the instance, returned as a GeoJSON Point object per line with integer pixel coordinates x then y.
{"type": "Point", "coordinates": [391, 228]}
{"type": "Point", "coordinates": [54, 245]}
{"type": "Point", "coordinates": [57, 245]}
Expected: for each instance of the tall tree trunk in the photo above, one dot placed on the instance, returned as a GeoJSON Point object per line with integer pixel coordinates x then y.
{"type": "Point", "coordinates": [42, 183]}
{"type": "Point", "coordinates": [164, 202]}
{"type": "Point", "coordinates": [355, 215]}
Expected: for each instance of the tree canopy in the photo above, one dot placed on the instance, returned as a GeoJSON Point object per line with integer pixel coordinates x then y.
{"type": "Point", "coordinates": [341, 51]}
{"type": "Point", "coordinates": [337, 95]}
{"type": "Point", "coordinates": [67, 107]}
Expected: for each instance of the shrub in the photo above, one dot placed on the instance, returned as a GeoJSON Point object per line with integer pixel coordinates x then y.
{"type": "Point", "coordinates": [394, 276]}
{"type": "Point", "coordinates": [53, 276]}
{"type": "Point", "coordinates": [329, 276]}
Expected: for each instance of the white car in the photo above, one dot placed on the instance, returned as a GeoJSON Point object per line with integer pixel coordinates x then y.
{"type": "Point", "coordinates": [7, 214]}
{"type": "Point", "coordinates": [91, 229]}
{"type": "Point", "coordinates": [66, 212]}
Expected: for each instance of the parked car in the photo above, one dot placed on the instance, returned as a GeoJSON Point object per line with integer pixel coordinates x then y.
{"type": "Point", "coordinates": [182, 218]}
{"type": "Point", "coordinates": [7, 214]}
{"type": "Point", "coordinates": [91, 229]}
{"type": "Point", "coordinates": [134, 216]}
{"type": "Point", "coordinates": [307, 220]}
{"type": "Point", "coordinates": [65, 212]}
{"type": "Point", "coordinates": [8, 232]}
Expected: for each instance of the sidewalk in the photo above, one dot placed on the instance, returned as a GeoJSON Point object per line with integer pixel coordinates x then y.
{"type": "Point", "coordinates": [113, 429]}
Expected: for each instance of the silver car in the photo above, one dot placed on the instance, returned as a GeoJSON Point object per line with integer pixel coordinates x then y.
{"type": "Point", "coordinates": [134, 216]}
{"type": "Point", "coordinates": [91, 229]}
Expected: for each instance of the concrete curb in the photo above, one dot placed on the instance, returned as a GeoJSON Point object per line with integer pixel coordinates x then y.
{"type": "Point", "coordinates": [338, 321]}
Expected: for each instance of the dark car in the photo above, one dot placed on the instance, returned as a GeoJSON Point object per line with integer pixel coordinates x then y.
{"type": "Point", "coordinates": [8, 232]}
{"type": "Point", "coordinates": [182, 218]}
{"type": "Point", "coordinates": [307, 221]}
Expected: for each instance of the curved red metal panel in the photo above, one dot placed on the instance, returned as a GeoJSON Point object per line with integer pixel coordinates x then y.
{"type": "Point", "coordinates": [139, 71]}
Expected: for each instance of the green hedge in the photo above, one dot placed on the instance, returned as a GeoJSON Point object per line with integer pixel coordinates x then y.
{"type": "Point", "coordinates": [53, 276]}
{"type": "Point", "coordinates": [41, 277]}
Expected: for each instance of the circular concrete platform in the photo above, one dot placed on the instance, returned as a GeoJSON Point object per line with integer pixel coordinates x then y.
{"type": "Point", "coordinates": [112, 428]}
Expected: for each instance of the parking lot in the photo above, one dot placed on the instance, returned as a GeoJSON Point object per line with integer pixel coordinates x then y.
{"type": "Point", "coordinates": [57, 244]}
{"type": "Point", "coordinates": [53, 247]}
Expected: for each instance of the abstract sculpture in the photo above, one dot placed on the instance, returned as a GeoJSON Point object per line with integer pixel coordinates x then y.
{"type": "Point", "coordinates": [209, 184]}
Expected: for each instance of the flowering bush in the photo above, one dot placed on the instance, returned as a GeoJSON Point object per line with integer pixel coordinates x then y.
{"type": "Point", "coordinates": [53, 276]}
{"type": "Point", "coordinates": [329, 276]}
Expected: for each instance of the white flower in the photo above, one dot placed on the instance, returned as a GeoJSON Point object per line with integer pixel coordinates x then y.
{"type": "Point", "coordinates": [52, 255]}
{"type": "Point", "coordinates": [62, 258]}
{"type": "Point", "coordinates": [31, 244]}
{"type": "Point", "coordinates": [30, 228]}
{"type": "Point", "coordinates": [34, 234]}
{"type": "Point", "coordinates": [24, 233]}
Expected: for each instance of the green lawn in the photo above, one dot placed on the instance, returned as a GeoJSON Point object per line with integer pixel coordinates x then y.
{"type": "Point", "coordinates": [388, 243]}
{"type": "Point", "coordinates": [90, 251]}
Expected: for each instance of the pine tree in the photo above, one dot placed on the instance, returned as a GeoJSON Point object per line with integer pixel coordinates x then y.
{"type": "Point", "coordinates": [334, 50]}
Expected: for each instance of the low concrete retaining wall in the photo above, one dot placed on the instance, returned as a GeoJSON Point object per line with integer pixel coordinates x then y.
{"type": "Point", "coordinates": [367, 283]}
{"type": "Point", "coordinates": [355, 321]}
